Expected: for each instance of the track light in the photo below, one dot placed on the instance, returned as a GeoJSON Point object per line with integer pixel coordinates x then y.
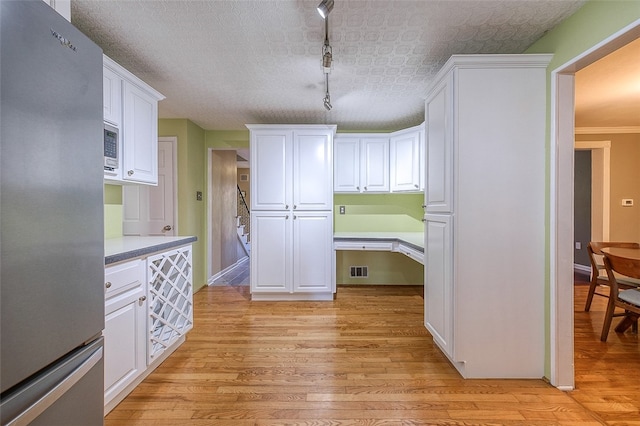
{"type": "Point", "coordinates": [327, 57]}
{"type": "Point", "coordinates": [325, 7]}
{"type": "Point", "coordinates": [327, 97]}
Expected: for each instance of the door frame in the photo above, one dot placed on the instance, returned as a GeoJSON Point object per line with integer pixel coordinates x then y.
{"type": "Point", "coordinates": [562, 133]}
{"type": "Point", "coordinates": [173, 140]}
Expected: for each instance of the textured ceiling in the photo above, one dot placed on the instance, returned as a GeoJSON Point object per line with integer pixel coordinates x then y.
{"type": "Point", "coordinates": [608, 91]}
{"type": "Point", "coordinates": [223, 64]}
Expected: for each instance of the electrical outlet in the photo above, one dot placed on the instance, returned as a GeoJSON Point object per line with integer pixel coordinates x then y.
{"type": "Point", "coordinates": [342, 209]}
{"type": "Point", "coordinates": [627, 202]}
{"type": "Point", "coordinates": [199, 195]}
{"type": "Point", "coordinates": [578, 245]}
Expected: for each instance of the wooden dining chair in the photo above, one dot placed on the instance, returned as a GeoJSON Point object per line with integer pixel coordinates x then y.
{"type": "Point", "coordinates": [594, 248]}
{"type": "Point", "coordinates": [629, 299]}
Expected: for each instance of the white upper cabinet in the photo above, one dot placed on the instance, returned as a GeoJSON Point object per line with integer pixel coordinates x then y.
{"type": "Point", "coordinates": [131, 106]}
{"type": "Point", "coordinates": [295, 169]}
{"type": "Point", "coordinates": [379, 162]}
{"type": "Point", "coordinates": [404, 153]}
{"type": "Point", "coordinates": [112, 97]}
{"type": "Point", "coordinates": [140, 136]}
{"type": "Point", "coordinates": [312, 158]}
{"type": "Point", "coordinates": [361, 163]}
{"type": "Point", "coordinates": [374, 166]}
{"type": "Point", "coordinates": [346, 172]}
{"type": "Point", "coordinates": [439, 159]}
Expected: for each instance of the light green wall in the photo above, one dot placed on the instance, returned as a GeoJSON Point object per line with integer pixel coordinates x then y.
{"type": "Point", "coordinates": [191, 179]}
{"type": "Point", "coordinates": [382, 213]}
{"type": "Point", "coordinates": [594, 22]}
{"type": "Point", "coordinates": [112, 211]}
{"type": "Point", "coordinates": [379, 212]}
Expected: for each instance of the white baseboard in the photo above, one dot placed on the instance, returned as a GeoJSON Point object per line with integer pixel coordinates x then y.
{"type": "Point", "coordinates": [581, 268]}
{"type": "Point", "coordinates": [226, 270]}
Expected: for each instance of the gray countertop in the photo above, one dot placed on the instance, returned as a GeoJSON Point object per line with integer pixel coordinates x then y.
{"type": "Point", "coordinates": [125, 248]}
{"type": "Point", "coordinates": [413, 239]}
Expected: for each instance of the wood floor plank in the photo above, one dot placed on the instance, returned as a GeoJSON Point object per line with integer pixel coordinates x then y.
{"type": "Point", "coordinates": [363, 359]}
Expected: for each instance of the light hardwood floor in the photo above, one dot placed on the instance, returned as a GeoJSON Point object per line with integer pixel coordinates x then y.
{"type": "Point", "coordinates": [363, 359]}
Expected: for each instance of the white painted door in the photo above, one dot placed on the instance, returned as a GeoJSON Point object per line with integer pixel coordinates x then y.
{"type": "Point", "coordinates": [346, 177]}
{"type": "Point", "coordinates": [271, 169]}
{"type": "Point", "coordinates": [150, 210]}
{"type": "Point", "coordinates": [140, 133]}
{"type": "Point", "coordinates": [438, 280]}
{"type": "Point", "coordinates": [404, 165]}
{"type": "Point", "coordinates": [270, 251]}
{"type": "Point", "coordinates": [312, 170]}
{"type": "Point", "coordinates": [374, 169]}
{"type": "Point", "coordinates": [312, 252]}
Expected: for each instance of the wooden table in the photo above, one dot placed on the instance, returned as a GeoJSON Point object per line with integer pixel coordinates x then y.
{"type": "Point", "coordinates": [626, 253]}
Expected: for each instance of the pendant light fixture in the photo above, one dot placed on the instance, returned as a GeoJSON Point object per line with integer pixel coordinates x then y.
{"type": "Point", "coordinates": [324, 8]}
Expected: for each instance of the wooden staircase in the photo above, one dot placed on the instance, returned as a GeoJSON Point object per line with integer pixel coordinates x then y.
{"type": "Point", "coordinates": [243, 235]}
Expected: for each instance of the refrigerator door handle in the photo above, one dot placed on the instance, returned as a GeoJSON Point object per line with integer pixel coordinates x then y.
{"type": "Point", "coordinates": [38, 407]}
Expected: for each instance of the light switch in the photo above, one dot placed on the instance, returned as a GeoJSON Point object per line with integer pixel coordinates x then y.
{"type": "Point", "coordinates": [627, 202]}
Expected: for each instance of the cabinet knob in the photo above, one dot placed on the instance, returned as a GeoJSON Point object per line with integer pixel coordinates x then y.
{"type": "Point", "coordinates": [424, 220]}
{"type": "Point", "coordinates": [286, 217]}
{"type": "Point", "coordinates": [424, 206]}
{"type": "Point", "coordinates": [286, 207]}
{"type": "Point", "coordinates": [130, 172]}
{"type": "Point", "coordinates": [416, 186]}
{"type": "Point", "coordinates": [358, 188]}
{"type": "Point", "coordinates": [167, 228]}
{"type": "Point", "coordinates": [142, 299]}
{"type": "Point", "coordinates": [365, 188]}
{"type": "Point", "coordinates": [295, 217]}
{"type": "Point", "coordinates": [294, 206]}
{"type": "Point", "coordinates": [107, 284]}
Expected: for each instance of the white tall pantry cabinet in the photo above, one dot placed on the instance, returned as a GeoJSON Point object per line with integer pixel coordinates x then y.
{"type": "Point", "coordinates": [484, 214]}
{"type": "Point", "coordinates": [292, 212]}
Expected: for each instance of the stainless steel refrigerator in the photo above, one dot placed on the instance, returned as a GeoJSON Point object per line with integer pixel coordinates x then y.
{"type": "Point", "coordinates": [51, 220]}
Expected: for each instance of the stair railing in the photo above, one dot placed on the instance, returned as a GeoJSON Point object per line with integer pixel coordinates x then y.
{"type": "Point", "coordinates": [243, 211]}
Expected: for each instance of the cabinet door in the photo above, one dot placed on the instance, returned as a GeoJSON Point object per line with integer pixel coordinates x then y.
{"type": "Point", "coordinates": [124, 340]}
{"type": "Point", "coordinates": [271, 170]}
{"type": "Point", "coordinates": [313, 269]}
{"type": "Point", "coordinates": [405, 165]}
{"type": "Point", "coordinates": [438, 280]}
{"type": "Point", "coordinates": [312, 170]}
{"type": "Point", "coordinates": [346, 172]}
{"type": "Point", "coordinates": [439, 141]}
{"type": "Point", "coordinates": [139, 135]}
{"type": "Point", "coordinates": [374, 168]}
{"type": "Point", "coordinates": [112, 96]}
{"type": "Point", "coordinates": [270, 251]}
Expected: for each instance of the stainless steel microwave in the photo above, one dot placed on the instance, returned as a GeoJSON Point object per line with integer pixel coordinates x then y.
{"type": "Point", "coordinates": [111, 148]}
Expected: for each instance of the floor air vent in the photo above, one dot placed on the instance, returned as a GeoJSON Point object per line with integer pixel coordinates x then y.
{"type": "Point", "coordinates": [359, 271]}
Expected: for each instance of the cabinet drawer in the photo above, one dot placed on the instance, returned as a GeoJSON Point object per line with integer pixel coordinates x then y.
{"type": "Point", "coordinates": [124, 276]}
{"type": "Point", "coordinates": [414, 254]}
{"type": "Point", "coordinates": [363, 245]}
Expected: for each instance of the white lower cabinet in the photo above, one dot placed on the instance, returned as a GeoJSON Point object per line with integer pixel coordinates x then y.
{"type": "Point", "coordinates": [125, 327]}
{"type": "Point", "coordinates": [292, 255]}
{"type": "Point", "coordinates": [148, 311]}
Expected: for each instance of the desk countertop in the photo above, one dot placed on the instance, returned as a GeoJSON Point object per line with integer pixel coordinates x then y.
{"type": "Point", "coordinates": [125, 248]}
{"type": "Point", "coordinates": [414, 239]}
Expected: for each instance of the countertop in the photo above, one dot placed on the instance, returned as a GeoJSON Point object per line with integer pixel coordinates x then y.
{"type": "Point", "coordinates": [125, 248]}
{"type": "Point", "coordinates": [414, 239]}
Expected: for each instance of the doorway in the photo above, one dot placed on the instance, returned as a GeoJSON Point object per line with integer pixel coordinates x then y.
{"type": "Point", "coordinates": [561, 204]}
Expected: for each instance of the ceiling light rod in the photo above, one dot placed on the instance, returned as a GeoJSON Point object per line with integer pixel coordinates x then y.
{"type": "Point", "coordinates": [327, 97]}
{"type": "Point", "coordinates": [325, 7]}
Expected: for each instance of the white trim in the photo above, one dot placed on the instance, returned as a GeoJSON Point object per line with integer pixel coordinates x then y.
{"type": "Point", "coordinates": [561, 190]}
{"type": "Point", "coordinates": [606, 130]}
{"type": "Point", "coordinates": [600, 194]}
{"type": "Point", "coordinates": [581, 268]}
{"type": "Point", "coordinates": [173, 140]}
{"type": "Point", "coordinates": [209, 241]}
{"type": "Point", "coordinates": [211, 279]}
